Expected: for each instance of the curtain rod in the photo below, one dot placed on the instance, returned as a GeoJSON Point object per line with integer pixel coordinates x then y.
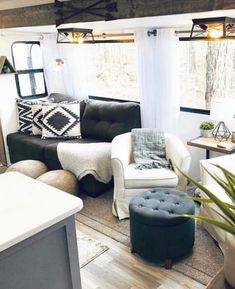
{"type": "Point", "coordinates": [113, 35]}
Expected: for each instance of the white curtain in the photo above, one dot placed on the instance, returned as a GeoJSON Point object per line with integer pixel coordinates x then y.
{"type": "Point", "coordinates": [50, 52]}
{"type": "Point", "coordinates": [158, 65]}
{"type": "Point", "coordinates": [71, 77]}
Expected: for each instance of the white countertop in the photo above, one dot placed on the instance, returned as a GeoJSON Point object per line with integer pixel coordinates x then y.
{"type": "Point", "coordinates": [28, 206]}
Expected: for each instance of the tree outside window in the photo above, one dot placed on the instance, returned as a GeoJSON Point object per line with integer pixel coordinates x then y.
{"type": "Point", "coordinates": [207, 71]}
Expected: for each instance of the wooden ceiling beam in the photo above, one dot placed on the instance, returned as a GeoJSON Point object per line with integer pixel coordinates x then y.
{"type": "Point", "coordinates": [45, 14]}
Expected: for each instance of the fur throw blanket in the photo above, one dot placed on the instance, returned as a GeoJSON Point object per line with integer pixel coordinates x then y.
{"type": "Point", "coordinates": [89, 158]}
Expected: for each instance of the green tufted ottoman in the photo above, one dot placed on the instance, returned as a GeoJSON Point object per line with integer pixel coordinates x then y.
{"type": "Point", "coordinates": [156, 233]}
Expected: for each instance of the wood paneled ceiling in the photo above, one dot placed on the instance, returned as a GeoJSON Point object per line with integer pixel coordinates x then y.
{"type": "Point", "coordinates": [6, 4]}
{"type": "Point", "coordinates": [21, 13]}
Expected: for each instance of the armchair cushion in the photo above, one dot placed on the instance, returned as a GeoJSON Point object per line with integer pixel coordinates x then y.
{"type": "Point", "coordinates": [135, 178]}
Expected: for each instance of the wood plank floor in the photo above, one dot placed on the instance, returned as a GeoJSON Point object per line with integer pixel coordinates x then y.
{"type": "Point", "coordinates": [117, 268]}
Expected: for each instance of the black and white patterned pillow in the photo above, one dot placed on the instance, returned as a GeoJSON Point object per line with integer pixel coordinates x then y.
{"type": "Point", "coordinates": [37, 119]}
{"type": "Point", "coordinates": [25, 115]}
{"type": "Point", "coordinates": [61, 120]}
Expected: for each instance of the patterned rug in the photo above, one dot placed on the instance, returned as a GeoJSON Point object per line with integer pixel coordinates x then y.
{"type": "Point", "coordinates": [88, 249]}
{"type": "Point", "coordinates": [201, 265]}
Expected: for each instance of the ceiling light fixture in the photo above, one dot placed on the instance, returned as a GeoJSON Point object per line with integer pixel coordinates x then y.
{"type": "Point", "coordinates": [74, 35]}
{"type": "Point", "coordinates": [211, 29]}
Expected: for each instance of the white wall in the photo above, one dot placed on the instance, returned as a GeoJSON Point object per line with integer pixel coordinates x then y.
{"type": "Point", "coordinates": [188, 129]}
{"type": "Point", "coordinates": [8, 92]}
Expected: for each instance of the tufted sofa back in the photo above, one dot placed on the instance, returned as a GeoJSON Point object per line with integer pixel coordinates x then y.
{"type": "Point", "coordinates": [104, 120]}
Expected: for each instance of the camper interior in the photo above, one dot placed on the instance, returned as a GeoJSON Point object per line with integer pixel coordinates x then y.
{"type": "Point", "coordinates": [116, 144]}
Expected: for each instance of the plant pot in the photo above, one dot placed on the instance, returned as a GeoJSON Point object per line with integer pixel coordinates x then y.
{"type": "Point", "coordinates": [229, 258]}
{"type": "Point", "coordinates": [206, 133]}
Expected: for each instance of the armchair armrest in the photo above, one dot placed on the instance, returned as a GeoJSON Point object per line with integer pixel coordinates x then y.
{"type": "Point", "coordinates": [180, 157]}
{"type": "Point", "coordinates": [121, 148]}
{"type": "Point", "coordinates": [121, 156]}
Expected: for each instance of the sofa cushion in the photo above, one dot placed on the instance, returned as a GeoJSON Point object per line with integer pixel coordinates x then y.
{"type": "Point", "coordinates": [23, 146]}
{"type": "Point", "coordinates": [135, 178]}
{"type": "Point", "coordinates": [104, 120]}
{"type": "Point", "coordinates": [61, 120]}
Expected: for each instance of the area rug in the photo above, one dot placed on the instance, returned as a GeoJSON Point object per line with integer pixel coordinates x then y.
{"type": "Point", "coordinates": [88, 248]}
{"type": "Point", "coordinates": [203, 264]}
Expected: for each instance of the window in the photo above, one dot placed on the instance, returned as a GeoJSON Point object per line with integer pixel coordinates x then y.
{"type": "Point", "coordinates": [112, 70]}
{"type": "Point", "coordinates": [207, 71]}
{"type": "Point", "coordinates": [27, 59]}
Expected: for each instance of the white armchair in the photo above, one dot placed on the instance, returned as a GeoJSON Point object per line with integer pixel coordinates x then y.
{"type": "Point", "coordinates": [129, 181]}
{"type": "Point", "coordinates": [228, 162]}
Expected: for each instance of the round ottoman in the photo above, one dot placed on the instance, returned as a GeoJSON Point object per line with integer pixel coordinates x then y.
{"type": "Point", "coordinates": [157, 234]}
{"type": "Point", "coordinates": [30, 168]}
{"type": "Point", "coordinates": [60, 179]}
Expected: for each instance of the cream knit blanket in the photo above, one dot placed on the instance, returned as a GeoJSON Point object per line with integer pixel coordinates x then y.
{"type": "Point", "coordinates": [83, 159]}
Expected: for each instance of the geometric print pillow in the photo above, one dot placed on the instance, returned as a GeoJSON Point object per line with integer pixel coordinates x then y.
{"type": "Point", "coordinates": [37, 119]}
{"type": "Point", "coordinates": [61, 120]}
{"type": "Point", "coordinates": [25, 115]}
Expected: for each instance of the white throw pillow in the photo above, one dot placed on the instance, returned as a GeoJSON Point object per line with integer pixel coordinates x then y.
{"type": "Point", "coordinates": [37, 119]}
{"type": "Point", "coordinates": [61, 120]}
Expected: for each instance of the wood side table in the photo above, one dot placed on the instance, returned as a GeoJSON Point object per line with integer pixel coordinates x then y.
{"type": "Point", "coordinates": [210, 144]}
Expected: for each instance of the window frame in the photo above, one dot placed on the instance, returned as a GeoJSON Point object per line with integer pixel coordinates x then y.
{"type": "Point", "coordinates": [28, 71]}
{"type": "Point", "coordinates": [95, 97]}
{"type": "Point", "coordinates": [195, 110]}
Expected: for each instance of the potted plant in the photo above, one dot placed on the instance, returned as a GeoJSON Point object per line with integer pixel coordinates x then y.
{"type": "Point", "coordinates": [226, 214]}
{"type": "Point", "coordinates": [206, 128]}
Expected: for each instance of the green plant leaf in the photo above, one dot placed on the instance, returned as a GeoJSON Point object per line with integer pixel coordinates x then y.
{"type": "Point", "coordinates": [222, 216]}
{"type": "Point", "coordinates": [221, 183]}
{"type": "Point", "coordinates": [222, 206]}
{"type": "Point", "coordinates": [201, 200]}
{"type": "Point", "coordinates": [230, 206]}
{"type": "Point", "coordinates": [230, 179]}
{"type": "Point", "coordinates": [223, 226]}
{"type": "Point", "coordinates": [225, 170]}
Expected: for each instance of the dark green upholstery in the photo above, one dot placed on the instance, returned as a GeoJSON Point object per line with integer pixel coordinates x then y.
{"type": "Point", "coordinates": [156, 233]}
